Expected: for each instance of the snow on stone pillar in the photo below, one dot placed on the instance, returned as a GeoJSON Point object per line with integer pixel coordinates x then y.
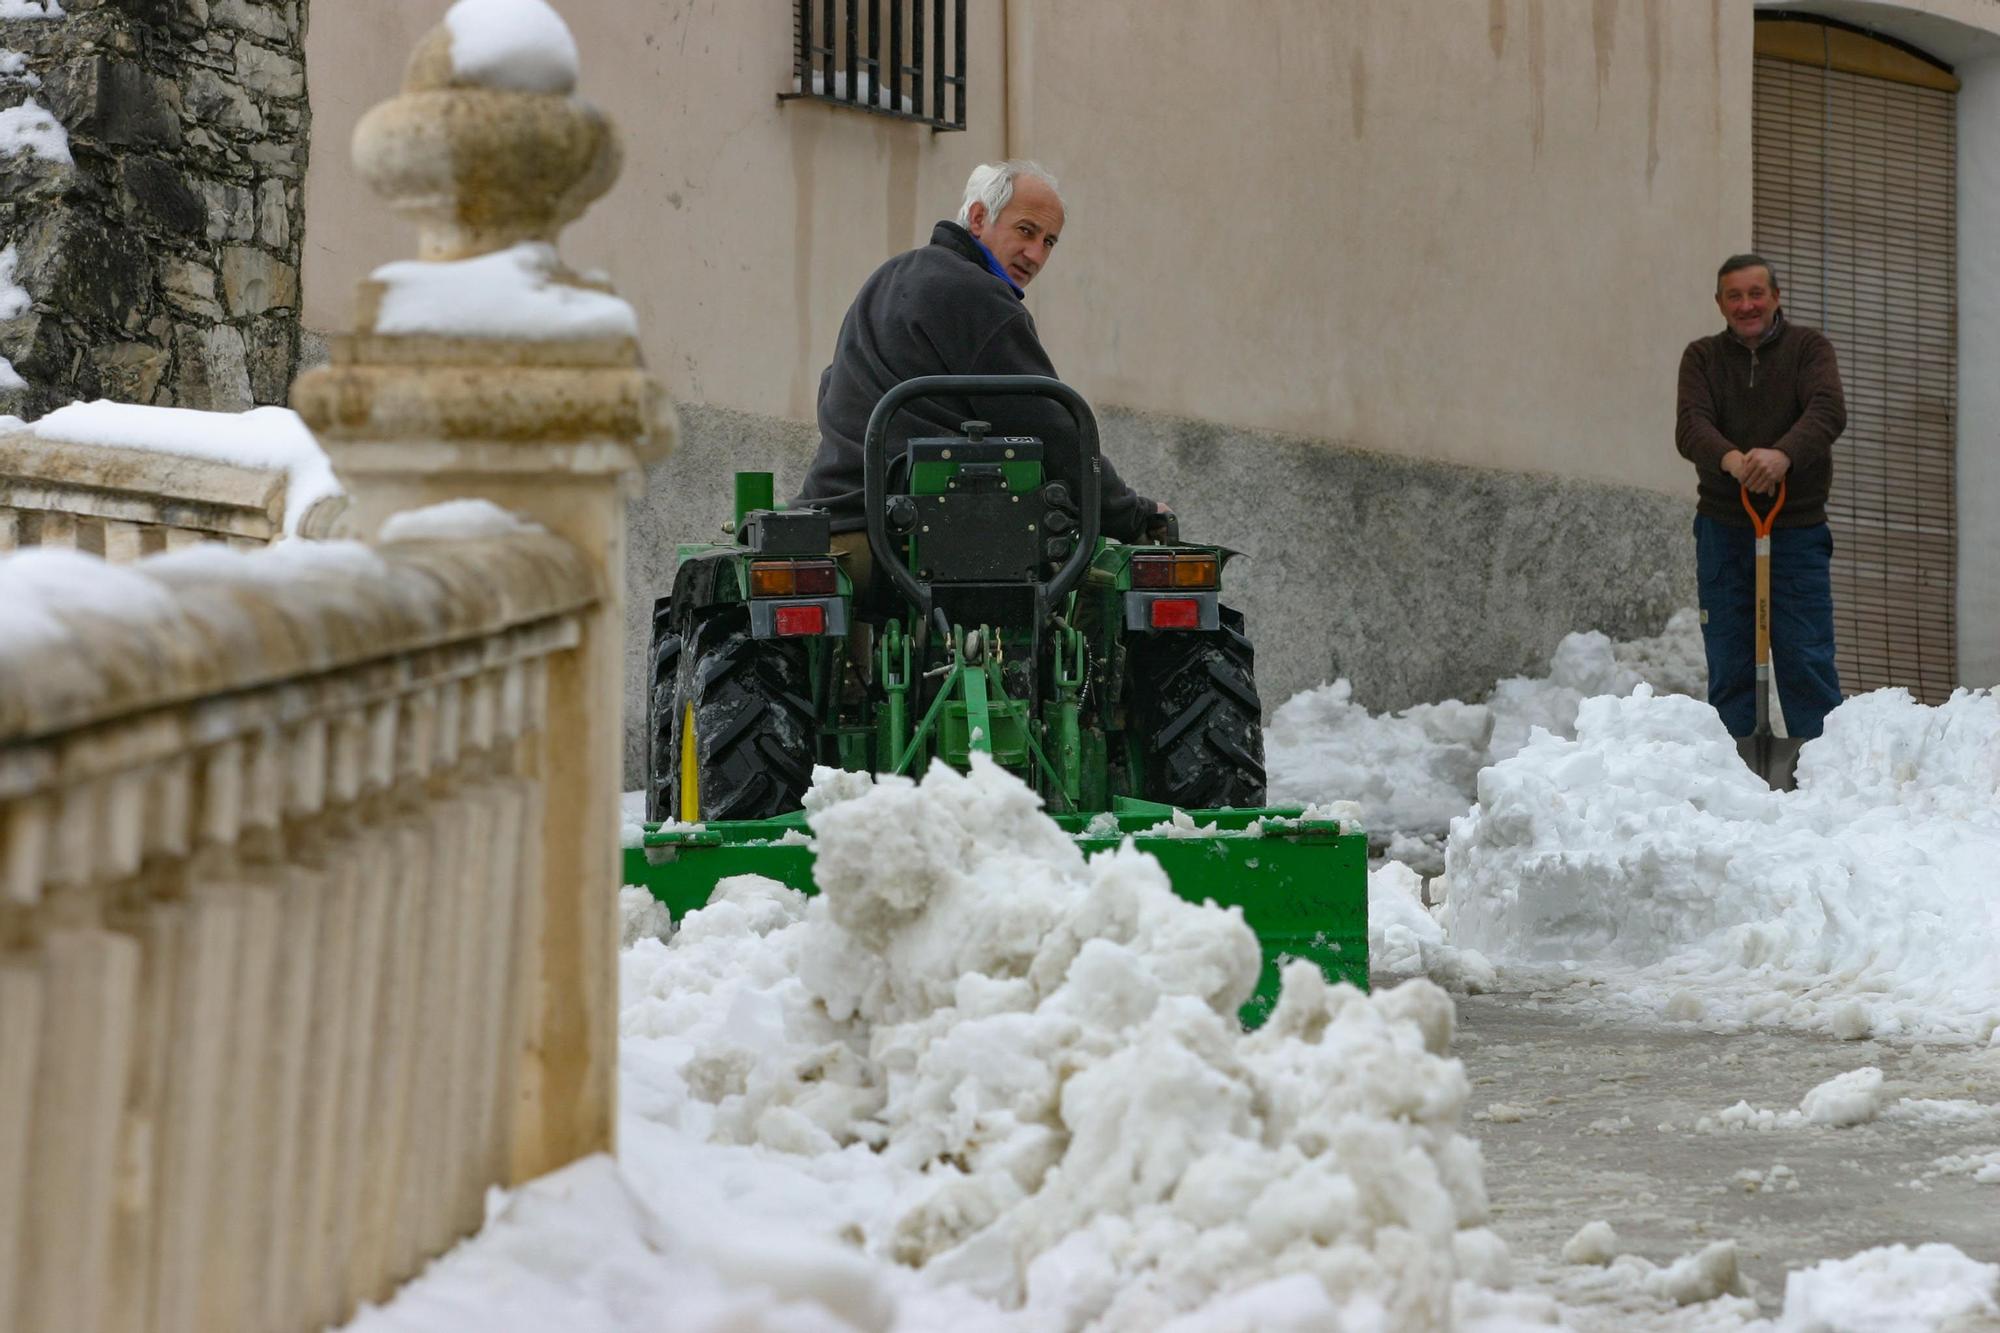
{"type": "Point", "coordinates": [487, 369]}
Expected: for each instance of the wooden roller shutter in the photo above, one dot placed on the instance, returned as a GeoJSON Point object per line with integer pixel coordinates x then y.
{"type": "Point", "coordinates": [1855, 202]}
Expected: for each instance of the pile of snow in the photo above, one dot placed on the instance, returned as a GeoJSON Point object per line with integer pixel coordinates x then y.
{"type": "Point", "coordinates": [521, 46]}
{"type": "Point", "coordinates": [31, 9]}
{"type": "Point", "coordinates": [521, 292]}
{"type": "Point", "coordinates": [1893, 1289]}
{"type": "Point", "coordinates": [1414, 772]}
{"type": "Point", "coordinates": [1643, 853]}
{"type": "Point", "coordinates": [264, 437]}
{"type": "Point", "coordinates": [982, 1081]}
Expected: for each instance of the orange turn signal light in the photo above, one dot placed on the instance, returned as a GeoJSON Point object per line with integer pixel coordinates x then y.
{"type": "Point", "coordinates": [1174, 571]}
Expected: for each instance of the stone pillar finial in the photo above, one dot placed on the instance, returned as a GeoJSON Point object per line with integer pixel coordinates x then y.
{"type": "Point", "coordinates": [482, 153]}
{"type": "Point", "coordinates": [486, 369]}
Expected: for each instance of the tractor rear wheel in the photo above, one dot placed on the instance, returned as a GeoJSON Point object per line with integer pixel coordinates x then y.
{"type": "Point", "coordinates": [741, 725]}
{"type": "Point", "coordinates": [1198, 725]}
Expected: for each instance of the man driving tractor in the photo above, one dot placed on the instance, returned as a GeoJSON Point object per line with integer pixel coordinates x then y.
{"type": "Point", "coordinates": [953, 307]}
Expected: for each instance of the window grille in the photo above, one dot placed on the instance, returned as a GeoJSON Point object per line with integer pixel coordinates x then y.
{"type": "Point", "coordinates": [899, 58]}
{"type": "Point", "coordinates": [1855, 201]}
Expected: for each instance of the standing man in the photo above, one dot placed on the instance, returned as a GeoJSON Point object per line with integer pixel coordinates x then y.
{"type": "Point", "coordinates": [1760, 407]}
{"type": "Point", "coordinates": [953, 307]}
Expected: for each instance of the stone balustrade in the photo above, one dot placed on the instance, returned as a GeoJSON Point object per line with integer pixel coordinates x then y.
{"type": "Point", "coordinates": [123, 502]}
{"type": "Point", "coordinates": [308, 854]}
{"type": "Point", "coordinates": [270, 920]}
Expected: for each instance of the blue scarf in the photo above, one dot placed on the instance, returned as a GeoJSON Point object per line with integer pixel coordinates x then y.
{"type": "Point", "coordinates": [993, 265]}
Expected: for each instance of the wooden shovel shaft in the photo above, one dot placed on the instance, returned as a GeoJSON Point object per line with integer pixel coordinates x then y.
{"type": "Point", "coordinates": [1761, 525]}
{"type": "Point", "coordinates": [1764, 635]}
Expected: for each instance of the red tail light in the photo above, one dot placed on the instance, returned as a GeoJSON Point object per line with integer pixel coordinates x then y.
{"type": "Point", "coordinates": [1176, 613]}
{"type": "Point", "coordinates": [792, 620]}
{"type": "Point", "coordinates": [816, 580]}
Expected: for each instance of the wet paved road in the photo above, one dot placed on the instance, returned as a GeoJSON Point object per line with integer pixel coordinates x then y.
{"type": "Point", "coordinates": [1568, 1107]}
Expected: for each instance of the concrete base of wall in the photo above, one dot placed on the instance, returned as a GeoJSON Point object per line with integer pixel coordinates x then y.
{"type": "Point", "coordinates": [1417, 581]}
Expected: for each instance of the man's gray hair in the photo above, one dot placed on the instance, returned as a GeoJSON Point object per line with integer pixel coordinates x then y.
{"type": "Point", "coordinates": [992, 184]}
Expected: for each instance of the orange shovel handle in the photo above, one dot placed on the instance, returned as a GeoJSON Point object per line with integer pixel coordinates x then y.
{"type": "Point", "coordinates": [1762, 522]}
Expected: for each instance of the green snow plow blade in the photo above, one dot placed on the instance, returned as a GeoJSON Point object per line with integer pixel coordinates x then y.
{"type": "Point", "coordinates": [1302, 884]}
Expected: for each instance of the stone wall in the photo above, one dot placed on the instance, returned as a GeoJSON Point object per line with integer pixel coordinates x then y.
{"type": "Point", "coordinates": [159, 246]}
{"type": "Point", "coordinates": [1417, 581]}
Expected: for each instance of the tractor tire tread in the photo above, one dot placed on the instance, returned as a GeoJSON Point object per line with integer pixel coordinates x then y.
{"type": "Point", "coordinates": [753, 719]}
{"type": "Point", "coordinates": [1199, 719]}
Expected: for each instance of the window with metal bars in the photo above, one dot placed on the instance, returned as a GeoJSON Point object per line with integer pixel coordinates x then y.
{"type": "Point", "coordinates": [899, 58]}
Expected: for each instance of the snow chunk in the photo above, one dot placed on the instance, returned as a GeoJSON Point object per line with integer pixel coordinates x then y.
{"type": "Point", "coordinates": [1983, 1167]}
{"type": "Point", "coordinates": [1849, 1099]}
{"type": "Point", "coordinates": [455, 520]}
{"type": "Point", "coordinates": [522, 46]}
{"type": "Point", "coordinates": [14, 302]}
{"type": "Point", "coordinates": [1851, 1022]}
{"type": "Point", "coordinates": [14, 299]}
{"type": "Point", "coordinates": [641, 916]}
{"type": "Point", "coordinates": [29, 128]}
{"type": "Point", "coordinates": [31, 9]}
{"type": "Point", "coordinates": [1594, 1243]}
{"type": "Point", "coordinates": [1940, 1111]}
{"type": "Point", "coordinates": [512, 293]}
{"type": "Point", "coordinates": [1853, 1098]}
{"type": "Point", "coordinates": [263, 437]}
{"type": "Point", "coordinates": [1891, 1289]}
{"type": "Point", "coordinates": [1691, 1279]}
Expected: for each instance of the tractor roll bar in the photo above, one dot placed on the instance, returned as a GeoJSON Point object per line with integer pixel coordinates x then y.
{"type": "Point", "coordinates": [875, 474]}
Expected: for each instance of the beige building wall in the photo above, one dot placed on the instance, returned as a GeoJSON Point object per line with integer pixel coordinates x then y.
{"type": "Point", "coordinates": [741, 227]}
{"type": "Point", "coordinates": [1475, 231]}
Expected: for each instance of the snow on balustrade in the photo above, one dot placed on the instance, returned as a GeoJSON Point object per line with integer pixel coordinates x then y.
{"type": "Point", "coordinates": [122, 480]}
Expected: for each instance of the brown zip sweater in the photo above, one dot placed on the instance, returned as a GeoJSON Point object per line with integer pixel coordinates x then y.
{"type": "Point", "coordinates": [1782, 394]}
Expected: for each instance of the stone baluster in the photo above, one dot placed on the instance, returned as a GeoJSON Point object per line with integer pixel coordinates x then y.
{"type": "Point", "coordinates": [434, 400]}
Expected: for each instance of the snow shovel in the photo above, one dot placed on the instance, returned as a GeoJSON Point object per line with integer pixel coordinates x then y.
{"type": "Point", "coordinates": [1761, 750]}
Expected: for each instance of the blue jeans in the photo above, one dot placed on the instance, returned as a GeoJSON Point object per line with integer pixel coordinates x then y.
{"type": "Point", "coordinates": [1801, 623]}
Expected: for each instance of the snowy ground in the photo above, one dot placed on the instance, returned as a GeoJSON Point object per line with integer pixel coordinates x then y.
{"type": "Point", "coordinates": [981, 1083]}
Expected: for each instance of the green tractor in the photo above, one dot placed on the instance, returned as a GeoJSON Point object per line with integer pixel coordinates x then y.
{"type": "Point", "coordinates": [1109, 677]}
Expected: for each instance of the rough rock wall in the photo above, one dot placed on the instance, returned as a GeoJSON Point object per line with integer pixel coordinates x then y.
{"type": "Point", "coordinates": [151, 232]}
